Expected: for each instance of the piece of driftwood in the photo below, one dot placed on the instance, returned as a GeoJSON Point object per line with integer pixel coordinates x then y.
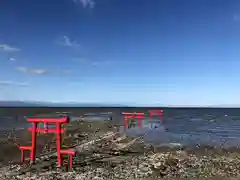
{"type": "Point", "coordinates": [79, 147]}
{"type": "Point", "coordinates": [102, 157]}
{"type": "Point", "coordinates": [47, 160]}
{"type": "Point", "coordinates": [104, 154]}
{"type": "Point", "coordinates": [121, 146]}
{"type": "Point", "coordinates": [116, 152]}
{"type": "Point", "coordinates": [114, 160]}
{"type": "Point", "coordinates": [34, 167]}
{"type": "Point", "coordinates": [91, 160]}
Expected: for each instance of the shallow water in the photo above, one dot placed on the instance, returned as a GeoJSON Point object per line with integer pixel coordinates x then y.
{"type": "Point", "coordinates": [204, 126]}
{"type": "Point", "coordinates": [220, 132]}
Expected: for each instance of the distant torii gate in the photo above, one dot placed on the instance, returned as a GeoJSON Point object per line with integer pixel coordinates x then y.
{"type": "Point", "coordinates": [132, 115]}
{"type": "Point", "coordinates": [155, 112]}
{"type": "Point", "coordinates": [58, 131]}
{"type": "Point", "coordinates": [140, 116]}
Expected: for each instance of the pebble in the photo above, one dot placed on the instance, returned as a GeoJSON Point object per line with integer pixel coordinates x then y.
{"type": "Point", "coordinates": [169, 165]}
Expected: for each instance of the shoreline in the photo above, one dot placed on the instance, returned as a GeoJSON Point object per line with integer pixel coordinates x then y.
{"type": "Point", "coordinates": [122, 157]}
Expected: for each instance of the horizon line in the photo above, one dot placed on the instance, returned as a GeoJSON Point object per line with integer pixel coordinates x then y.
{"type": "Point", "coordinates": [105, 104]}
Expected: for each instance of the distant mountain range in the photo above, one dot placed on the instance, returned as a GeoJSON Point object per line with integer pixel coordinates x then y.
{"type": "Point", "coordinates": [76, 104]}
{"type": "Point", "coordinates": [17, 103]}
{"type": "Point", "coordinates": [49, 104]}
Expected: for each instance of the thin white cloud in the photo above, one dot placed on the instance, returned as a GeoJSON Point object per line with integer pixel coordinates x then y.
{"type": "Point", "coordinates": [86, 3]}
{"type": "Point", "coordinates": [67, 71]}
{"type": "Point", "coordinates": [94, 64]}
{"type": "Point", "coordinates": [10, 83]}
{"type": "Point", "coordinates": [5, 83]}
{"type": "Point", "coordinates": [22, 84]}
{"type": "Point", "coordinates": [67, 42]}
{"type": "Point", "coordinates": [32, 70]}
{"type": "Point", "coordinates": [91, 62]}
{"type": "Point", "coordinates": [12, 59]}
{"type": "Point", "coordinates": [99, 63]}
{"type": "Point", "coordinates": [6, 47]}
{"type": "Point", "coordinates": [85, 61]}
{"type": "Point", "coordinates": [81, 60]}
{"type": "Point", "coordinates": [236, 17]}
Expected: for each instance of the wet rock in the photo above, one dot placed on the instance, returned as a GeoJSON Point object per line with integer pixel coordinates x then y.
{"type": "Point", "coordinates": [80, 135]}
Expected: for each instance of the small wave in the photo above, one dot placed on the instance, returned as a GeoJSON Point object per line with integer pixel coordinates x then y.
{"type": "Point", "coordinates": [196, 119]}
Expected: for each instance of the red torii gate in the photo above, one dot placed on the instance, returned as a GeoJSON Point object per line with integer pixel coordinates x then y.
{"type": "Point", "coordinates": [155, 112]}
{"type": "Point", "coordinates": [132, 115]}
{"type": "Point", "coordinates": [58, 131]}
{"type": "Point", "coordinates": [140, 116]}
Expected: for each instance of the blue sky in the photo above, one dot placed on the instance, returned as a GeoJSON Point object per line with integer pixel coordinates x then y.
{"type": "Point", "coordinates": [145, 52]}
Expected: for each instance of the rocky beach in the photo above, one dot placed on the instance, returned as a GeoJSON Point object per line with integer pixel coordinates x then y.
{"type": "Point", "coordinates": [104, 153]}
